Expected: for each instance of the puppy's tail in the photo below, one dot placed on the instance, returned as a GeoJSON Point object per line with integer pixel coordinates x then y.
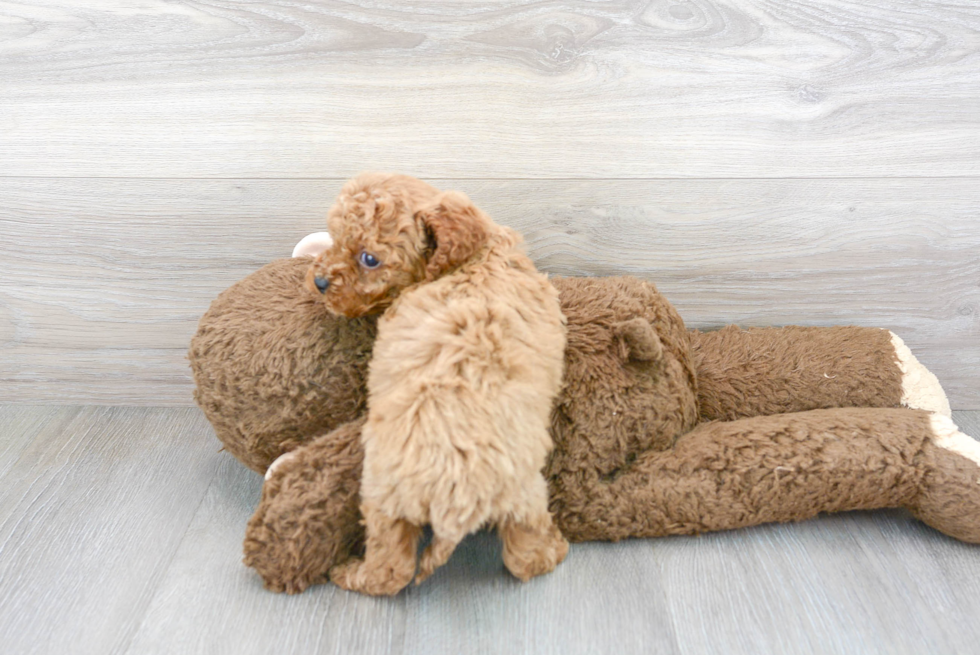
{"type": "Point", "coordinates": [436, 554]}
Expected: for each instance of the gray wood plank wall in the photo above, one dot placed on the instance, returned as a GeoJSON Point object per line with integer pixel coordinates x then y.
{"type": "Point", "coordinates": [815, 162]}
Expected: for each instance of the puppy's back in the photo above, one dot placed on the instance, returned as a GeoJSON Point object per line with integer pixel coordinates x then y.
{"type": "Point", "coordinates": [464, 373]}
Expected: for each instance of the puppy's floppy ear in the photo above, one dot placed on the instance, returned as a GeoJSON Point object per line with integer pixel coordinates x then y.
{"type": "Point", "coordinates": [457, 230]}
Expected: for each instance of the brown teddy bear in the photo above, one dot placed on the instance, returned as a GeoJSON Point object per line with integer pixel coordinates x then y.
{"type": "Point", "coordinates": [658, 430]}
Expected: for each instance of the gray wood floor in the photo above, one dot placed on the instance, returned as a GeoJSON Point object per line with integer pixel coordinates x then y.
{"type": "Point", "coordinates": [813, 162]}
{"type": "Point", "coordinates": [121, 531]}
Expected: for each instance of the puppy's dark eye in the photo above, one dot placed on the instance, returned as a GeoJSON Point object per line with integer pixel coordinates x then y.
{"type": "Point", "coordinates": [369, 261]}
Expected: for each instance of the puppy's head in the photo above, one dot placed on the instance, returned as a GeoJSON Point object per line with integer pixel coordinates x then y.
{"type": "Point", "coordinates": [391, 232]}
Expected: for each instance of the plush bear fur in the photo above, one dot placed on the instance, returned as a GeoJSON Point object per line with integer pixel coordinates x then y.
{"type": "Point", "coordinates": [658, 430]}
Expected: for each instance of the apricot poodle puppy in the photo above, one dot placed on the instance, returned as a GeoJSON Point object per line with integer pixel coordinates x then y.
{"type": "Point", "coordinates": [465, 369]}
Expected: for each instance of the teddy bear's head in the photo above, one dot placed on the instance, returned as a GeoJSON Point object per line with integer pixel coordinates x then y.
{"type": "Point", "coordinates": [273, 368]}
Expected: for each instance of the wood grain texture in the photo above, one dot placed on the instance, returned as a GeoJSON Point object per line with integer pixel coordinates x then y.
{"type": "Point", "coordinates": [91, 513]}
{"type": "Point", "coordinates": [495, 88]}
{"type": "Point", "coordinates": [121, 531]}
{"type": "Point", "coordinates": [20, 427]}
{"type": "Point", "coordinates": [102, 282]}
{"type": "Point", "coordinates": [152, 153]}
{"type": "Point", "coordinates": [849, 583]}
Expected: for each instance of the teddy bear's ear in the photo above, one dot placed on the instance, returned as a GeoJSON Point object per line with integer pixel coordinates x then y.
{"type": "Point", "coordinates": [313, 244]}
{"type": "Point", "coordinates": [639, 341]}
{"type": "Point", "coordinates": [457, 230]}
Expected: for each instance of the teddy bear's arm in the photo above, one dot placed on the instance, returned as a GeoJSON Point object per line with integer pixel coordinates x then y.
{"type": "Point", "coordinates": [308, 518]}
{"type": "Point", "coordinates": [721, 475]}
{"type": "Point", "coordinates": [767, 371]}
{"type": "Point", "coordinates": [725, 475]}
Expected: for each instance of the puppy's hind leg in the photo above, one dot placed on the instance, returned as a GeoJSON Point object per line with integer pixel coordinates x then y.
{"type": "Point", "coordinates": [389, 556]}
{"type": "Point", "coordinates": [532, 548]}
{"type": "Point", "coordinates": [533, 545]}
{"type": "Point", "coordinates": [435, 555]}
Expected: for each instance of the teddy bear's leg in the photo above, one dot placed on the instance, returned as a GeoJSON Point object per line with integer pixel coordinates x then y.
{"type": "Point", "coordinates": [308, 518]}
{"type": "Point", "coordinates": [768, 371]}
{"type": "Point", "coordinates": [389, 556]}
{"type": "Point", "coordinates": [949, 499]}
{"type": "Point", "coordinates": [788, 467]}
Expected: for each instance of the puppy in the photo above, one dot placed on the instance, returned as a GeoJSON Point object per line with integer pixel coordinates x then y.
{"type": "Point", "coordinates": [466, 366]}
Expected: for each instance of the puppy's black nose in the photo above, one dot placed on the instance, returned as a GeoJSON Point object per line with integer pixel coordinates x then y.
{"type": "Point", "coordinates": [321, 283]}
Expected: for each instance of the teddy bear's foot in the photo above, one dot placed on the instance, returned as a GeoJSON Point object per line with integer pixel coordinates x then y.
{"type": "Point", "coordinates": [531, 550]}
{"type": "Point", "coordinates": [920, 387]}
{"type": "Point", "coordinates": [949, 497]}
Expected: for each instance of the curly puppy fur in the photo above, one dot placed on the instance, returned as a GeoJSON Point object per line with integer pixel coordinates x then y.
{"type": "Point", "coordinates": [466, 366]}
